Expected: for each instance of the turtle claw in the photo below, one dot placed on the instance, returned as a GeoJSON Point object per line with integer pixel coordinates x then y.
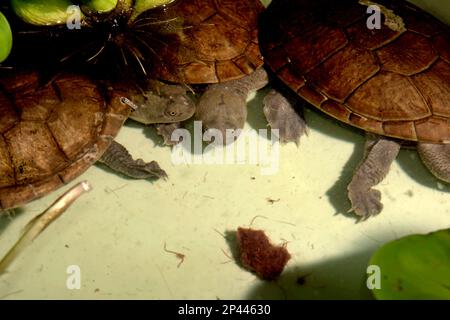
{"type": "Point", "coordinates": [154, 168]}
{"type": "Point", "coordinates": [150, 170]}
{"type": "Point", "coordinates": [365, 204]}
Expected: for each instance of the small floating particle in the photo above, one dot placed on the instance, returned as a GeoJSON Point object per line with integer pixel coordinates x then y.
{"type": "Point", "coordinates": [179, 255]}
{"type": "Point", "coordinates": [409, 193]}
{"type": "Point", "coordinates": [272, 201]}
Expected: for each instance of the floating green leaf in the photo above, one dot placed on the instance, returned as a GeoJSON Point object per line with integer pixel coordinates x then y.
{"type": "Point", "coordinates": [100, 6]}
{"type": "Point", "coordinates": [42, 12]}
{"type": "Point", "coordinates": [5, 38]}
{"type": "Point", "coordinates": [415, 267]}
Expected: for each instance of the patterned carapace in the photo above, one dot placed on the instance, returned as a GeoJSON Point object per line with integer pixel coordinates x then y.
{"type": "Point", "coordinates": [392, 83]}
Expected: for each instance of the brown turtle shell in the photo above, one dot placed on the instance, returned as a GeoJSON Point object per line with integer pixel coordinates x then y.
{"type": "Point", "coordinates": [50, 135]}
{"type": "Point", "coordinates": [205, 41]}
{"type": "Point", "coordinates": [392, 83]}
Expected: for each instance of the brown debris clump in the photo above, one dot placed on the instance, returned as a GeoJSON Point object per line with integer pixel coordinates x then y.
{"type": "Point", "coordinates": [257, 254]}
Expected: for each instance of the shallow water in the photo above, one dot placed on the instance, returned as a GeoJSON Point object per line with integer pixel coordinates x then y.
{"type": "Point", "coordinates": [116, 234]}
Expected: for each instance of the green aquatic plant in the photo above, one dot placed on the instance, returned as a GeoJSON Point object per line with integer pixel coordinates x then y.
{"type": "Point", "coordinates": [102, 33]}
{"type": "Point", "coordinates": [100, 6]}
{"type": "Point", "coordinates": [5, 38]}
{"type": "Point", "coordinates": [55, 12]}
{"type": "Point", "coordinates": [42, 13]}
{"type": "Point", "coordinates": [414, 267]}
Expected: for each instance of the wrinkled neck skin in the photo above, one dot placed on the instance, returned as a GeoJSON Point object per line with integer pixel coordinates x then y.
{"type": "Point", "coordinates": [253, 82]}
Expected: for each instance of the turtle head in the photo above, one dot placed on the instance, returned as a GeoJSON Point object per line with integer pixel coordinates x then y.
{"type": "Point", "coordinates": [225, 131]}
{"type": "Point", "coordinates": [171, 105]}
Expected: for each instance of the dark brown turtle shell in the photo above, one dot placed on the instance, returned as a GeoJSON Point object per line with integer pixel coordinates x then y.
{"type": "Point", "coordinates": [206, 41]}
{"type": "Point", "coordinates": [50, 135]}
{"type": "Point", "coordinates": [392, 83]}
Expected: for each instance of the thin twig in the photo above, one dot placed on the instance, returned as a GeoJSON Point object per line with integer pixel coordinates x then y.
{"type": "Point", "coordinates": [177, 254]}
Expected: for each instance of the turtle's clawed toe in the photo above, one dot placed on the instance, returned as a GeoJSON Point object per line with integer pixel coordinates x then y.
{"type": "Point", "coordinates": [149, 170]}
{"type": "Point", "coordinates": [365, 203]}
{"type": "Point", "coordinates": [155, 170]}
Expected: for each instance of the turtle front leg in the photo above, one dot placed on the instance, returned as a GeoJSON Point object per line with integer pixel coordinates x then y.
{"type": "Point", "coordinates": [436, 158]}
{"type": "Point", "coordinates": [119, 159]}
{"type": "Point", "coordinates": [281, 115]}
{"type": "Point", "coordinates": [380, 153]}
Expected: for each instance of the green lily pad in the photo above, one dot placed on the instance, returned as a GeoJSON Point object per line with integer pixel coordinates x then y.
{"type": "Point", "coordinates": [42, 12]}
{"type": "Point", "coordinates": [5, 38]}
{"type": "Point", "coordinates": [415, 267]}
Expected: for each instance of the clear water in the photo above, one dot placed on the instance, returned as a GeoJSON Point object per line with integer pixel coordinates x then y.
{"type": "Point", "coordinates": [116, 234]}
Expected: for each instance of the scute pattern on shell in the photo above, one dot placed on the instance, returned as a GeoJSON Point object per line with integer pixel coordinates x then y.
{"type": "Point", "coordinates": [386, 82]}
{"type": "Point", "coordinates": [51, 134]}
{"type": "Point", "coordinates": [207, 41]}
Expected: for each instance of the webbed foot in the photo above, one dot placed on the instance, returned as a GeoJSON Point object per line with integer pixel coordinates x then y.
{"type": "Point", "coordinates": [119, 159]}
{"type": "Point", "coordinates": [365, 202]}
{"type": "Point", "coordinates": [380, 154]}
{"type": "Point", "coordinates": [282, 116]}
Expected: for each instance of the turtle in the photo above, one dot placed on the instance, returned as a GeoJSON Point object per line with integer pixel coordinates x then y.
{"type": "Point", "coordinates": [112, 45]}
{"type": "Point", "coordinates": [212, 45]}
{"type": "Point", "coordinates": [52, 133]}
{"type": "Point", "coordinates": [391, 80]}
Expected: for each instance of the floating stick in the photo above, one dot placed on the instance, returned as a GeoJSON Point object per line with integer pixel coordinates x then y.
{"type": "Point", "coordinates": [42, 221]}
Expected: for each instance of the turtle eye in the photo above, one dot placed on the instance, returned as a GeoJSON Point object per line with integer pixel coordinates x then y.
{"type": "Point", "coordinates": [172, 113]}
